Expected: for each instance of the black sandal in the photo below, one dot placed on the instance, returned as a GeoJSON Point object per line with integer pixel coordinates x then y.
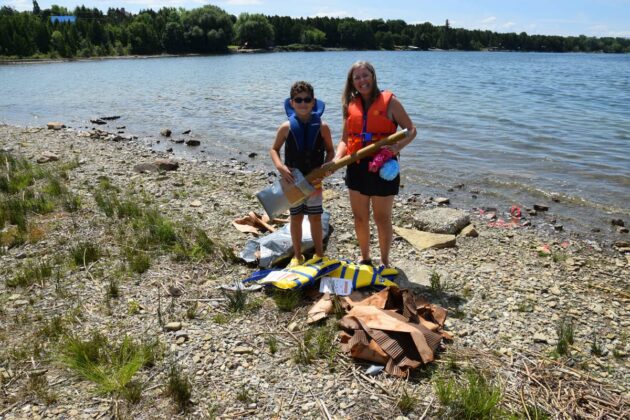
{"type": "Point", "coordinates": [365, 262]}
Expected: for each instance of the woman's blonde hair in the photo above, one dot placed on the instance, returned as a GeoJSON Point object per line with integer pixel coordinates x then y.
{"type": "Point", "coordinates": [349, 92]}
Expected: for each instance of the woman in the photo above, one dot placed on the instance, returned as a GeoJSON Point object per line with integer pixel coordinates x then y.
{"type": "Point", "coordinates": [367, 188]}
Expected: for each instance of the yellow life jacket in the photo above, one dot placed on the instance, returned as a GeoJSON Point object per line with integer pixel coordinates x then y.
{"type": "Point", "coordinates": [301, 275]}
{"type": "Point", "coordinates": [361, 275]}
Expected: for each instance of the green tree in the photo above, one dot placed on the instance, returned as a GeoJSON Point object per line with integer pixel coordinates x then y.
{"type": "Point", "coordinates": [142, 38]}
{"type": "Point", "coordinates": [198, 23]}
{"type": "Point", "coordinates": [58, 43]}
{"type": "Point", "coordinates": [253, 30]}
{"type": "Point", "coordinates": [36, 9]}
{"type": "Point", "coordinates": [313, 36]}
{"type": "Point", "coordinates": [384, 40]}
{"type": "Point", "coordinates": [356, 34]}
{"type": "Point", "coordinates": [173, 38]}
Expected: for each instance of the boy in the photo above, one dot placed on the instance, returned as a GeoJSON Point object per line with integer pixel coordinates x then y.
{"type": "Point", "coordinates": [308, 145]}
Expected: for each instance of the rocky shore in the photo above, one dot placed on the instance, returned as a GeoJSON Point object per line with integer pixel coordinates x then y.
{"type": "Point", "coordinates": [511, 291]}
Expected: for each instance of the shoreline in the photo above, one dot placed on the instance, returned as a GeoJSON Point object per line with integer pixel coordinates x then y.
{"type": "Point", "coordinates": [285, 48]}
{"type": "Point", "coordinates": [505, 301]}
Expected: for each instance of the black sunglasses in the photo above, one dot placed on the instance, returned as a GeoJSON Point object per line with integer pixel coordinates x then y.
{"type": "Point", "coordinates": [306, 100]}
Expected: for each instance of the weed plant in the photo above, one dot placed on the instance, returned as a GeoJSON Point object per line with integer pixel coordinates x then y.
{"type": "Point", "coordinates": [191, 311]}
{"type": "Point", "coordinates": [112, 291]}
{"type": "Point", "coordinates": [244, 396]}
{"type": "Point", "coordinates": [272, 342]}
{"type": "Point", "coordinates": [37, 273]}
{"type": "Point", "coordinates": [38, 385]}
{"type": "Point", "coordinates": [236, 300]}
{"type": "Point", "coordinates": [287, 300]}
{"type": "Point", "coordinates": [407, 402]}
{"type": "Point", "coordinates": [179, 388]}
{"type": "Point", "coordinates": [53, 329]}
{"type": "Point", "coordinates": [473, 398]}
{"type": "Point", "coordinates": [138, 261]}
{"type": "Point", "coordinates": [220, 319]}
{"type": "Point", "coordinates": [110, 367]}
{"type": "Point", "coordinates": [71, 203]}
{"type": "Point", "coordinates": [436, 282]}
{"type": "Point", "coordinates": [565, 332]}
{"type": "Point", "coordinates": [85, 253]}
{"type": "Point", "coordinates": [54, 187]}
{"type": "Point", "coordinates": [106, 203]}
{"type": "Point", "coordinates": [596, 348]}
{"type": "Point", "coordinates": [317, 343]}
{"type": "Point", "coordinates": [128, 209]}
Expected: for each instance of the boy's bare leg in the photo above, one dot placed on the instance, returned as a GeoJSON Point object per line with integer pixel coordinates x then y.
{"type": "Point", "coordinates": [317, 233]}
{"type": "Point", "coordinates": [383, 219]}
{"type": "Point", "coordinates": [361, 211]}
{"type": "Point", "coordinates": [296, 234]}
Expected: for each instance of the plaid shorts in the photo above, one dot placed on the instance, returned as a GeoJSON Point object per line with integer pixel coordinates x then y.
{"type": "Point", "coordinates": [312, 205]}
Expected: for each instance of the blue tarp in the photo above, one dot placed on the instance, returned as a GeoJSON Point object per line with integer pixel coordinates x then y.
{"type": "Point", "coordinates": [63, 19]}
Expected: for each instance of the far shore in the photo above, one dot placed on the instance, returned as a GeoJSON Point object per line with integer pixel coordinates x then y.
{"type": "Point", "coordinates": [236, 50]}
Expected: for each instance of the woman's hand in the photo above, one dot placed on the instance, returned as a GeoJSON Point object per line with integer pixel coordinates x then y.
{"type": "Point", "coordinates": [393, 148]}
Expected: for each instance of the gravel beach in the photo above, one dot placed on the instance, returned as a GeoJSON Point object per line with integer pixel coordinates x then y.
{"type": "Point", "coordinates": [507, 290]}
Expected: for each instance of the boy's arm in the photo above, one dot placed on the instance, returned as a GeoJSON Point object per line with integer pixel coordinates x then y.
{"type": "Point", "coordinates": [274, 152]}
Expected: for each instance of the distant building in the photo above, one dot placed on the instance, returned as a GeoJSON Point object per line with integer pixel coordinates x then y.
{"type": "Point", "coordinates": [63, 19]}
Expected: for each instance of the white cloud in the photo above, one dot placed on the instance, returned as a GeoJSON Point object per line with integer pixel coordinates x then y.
{"type": "Point", "coordinates": [21, 5]}
{"type": "Point", "coordinates": [489, 20]}
{"type": "Point", "coordinates": [243, 2]}
{"type": "Point", "coordinates": [336, 14]}
{"type": "Point", "coordinates": [508, 25]}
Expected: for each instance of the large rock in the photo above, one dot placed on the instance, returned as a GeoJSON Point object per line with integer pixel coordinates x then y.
{"type": "Point", "coordinates": [166, 164]}
{"type": "Point", "coordinates": [55, 125]}
{"type": "Point", "coordinates": [47, 156]}
{"type": "Point", "coordinates": [441, 220]}
{"type": "Point", "coordinates": [424, 240]}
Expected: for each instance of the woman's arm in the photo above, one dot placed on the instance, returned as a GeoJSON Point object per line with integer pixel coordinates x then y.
{"type": "Point", "coordinates": [396, 112]}
{"type": "Point", "coordinates": [342, 147]}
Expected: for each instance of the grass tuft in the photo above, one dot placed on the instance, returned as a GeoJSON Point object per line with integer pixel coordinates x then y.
{"type": "Point", "coordinates": [85, 253]}
{"type": "Point", "coordinates": [596, 348]}
{"type": "Point", "coordinates": [317, 343]}
{"type": "Point", "coordinates": [407, 402]}
{"type": "Point", "coordinates": [287, 300]}
{"type": "Point", "coordinates": [111, 367]}
{"type": "Point", "coordinates": [236, 300]}
{"type": "Point", "coordinates": [436, 282]}
{"type": "Point", "coordinates": [37, 273]}
{"type": "Point", "coordinates": [565, 332]}
{"type": "Point", "coordinates": [272, 342]}
{"type": "Point", "coordinates": [179, 388]}
{"type": "Point", "coordinates": [473, 398]}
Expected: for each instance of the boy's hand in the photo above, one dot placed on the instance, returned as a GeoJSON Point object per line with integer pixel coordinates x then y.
{"type": "Point", "coordinates": [327, 166]}
{"type": "Point", "coordinates": [286, 174]}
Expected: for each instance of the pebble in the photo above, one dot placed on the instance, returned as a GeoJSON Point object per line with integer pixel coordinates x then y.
{"type": "Point", "coordinates": [173, 326]}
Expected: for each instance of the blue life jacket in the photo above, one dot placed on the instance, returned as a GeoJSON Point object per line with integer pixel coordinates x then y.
{"type": "Point", "coordinates": [304, 146]}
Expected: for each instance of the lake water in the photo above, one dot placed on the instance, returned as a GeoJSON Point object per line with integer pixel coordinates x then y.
{"type": "Point", "coordinates": [513, 128]}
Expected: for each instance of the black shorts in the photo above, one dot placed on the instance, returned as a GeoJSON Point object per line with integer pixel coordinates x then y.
{"type": "Point", "coordinates": [358, 178]}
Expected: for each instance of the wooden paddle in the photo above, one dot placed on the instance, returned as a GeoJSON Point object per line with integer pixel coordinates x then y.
{"type": "Point", "coordinates": [280, 196]}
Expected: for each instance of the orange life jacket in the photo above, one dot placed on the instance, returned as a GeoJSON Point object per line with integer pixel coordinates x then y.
{"type": "Point", "coordinates": [374, 125]}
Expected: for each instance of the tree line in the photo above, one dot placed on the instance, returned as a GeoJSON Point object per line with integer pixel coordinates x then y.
{"type": "Point", "coordinates": [209, 29]}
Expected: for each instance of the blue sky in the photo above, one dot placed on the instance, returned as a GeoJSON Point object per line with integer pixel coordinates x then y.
{"type": "Point", "coordinates": [549, 17]}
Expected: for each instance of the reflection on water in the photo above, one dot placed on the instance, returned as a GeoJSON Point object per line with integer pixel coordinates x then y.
{"type": "Point", "coordinates": [518, 127]}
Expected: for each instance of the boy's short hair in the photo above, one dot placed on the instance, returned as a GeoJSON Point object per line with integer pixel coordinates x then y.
{"type": "Point", "coordinates": [302, 86]}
